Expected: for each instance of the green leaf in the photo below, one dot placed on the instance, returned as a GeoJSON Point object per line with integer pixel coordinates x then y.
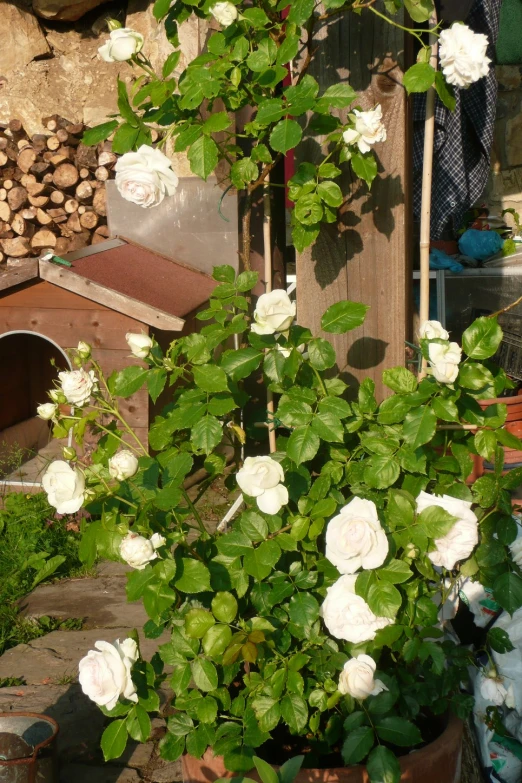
{"type": "Point", "coordinates": [419, 10]}
{"type": "Point", "coordinates": [294, 711]}
{"type": "Point", "coordinates": [485, 442]}
{"type": "Point", "coordinates": [329, 427]}
{"type": "Point", "coordinates": [270, 111]}
{"type": "Point", "coordinates": [308, 209]}
{"type": "Point", "coordinates": [383, 766]}
{"type": "Point", "coordinates": [300, 11]}
{"type": "Point", "coordinates": [266, 772]}
{"type": "Point", "coordinates": [203, 157]}
{"type": "Point", "coordinates": [384, 600]}
{"type": "Point", "coordinates": [445, 409]}
{"type": "Point", "coordinates": [286, 135]}
{"type": "Point", "coordinates": [260, 561]}
{"type": "Point", "coordinates": [161, 8]}
{"type": "Point", "coordinates": [48, 568]}
{"type": "Point", "coordinates": [507, 438]}
{"type": "Point", "coordinates": [197, 623]}
{"type": "Point", "coordinates": [321, 354]}
{"type": "Point", "coordinates": [254, 526]}
{"type": "Point", "coordinates": [303, 609]}
{"type": "Point", "coordinates": [396, 572]}
{"type": "Point", "coordinates": [138, 724]}
{"type": "Point", "coordinates": [224, 607]}
{"type": "Point", "coordinates": [210, 378]}
{"type": "Point", "coordinates": [482, 339]}
{"type": "Point", "coordinates": [419, 426]}
{"type": "Point", "coordinates": [99, 133]}
{"type": "Point", "coordinates": [170, 63]}
{"type": "Point", "coordinates": [364, 166]}
{"type": "Point", "coordinates": [288, 772]}
{"type": "Point", "coordinates": [156, 380]}
{"type": "Point", "coordinates": [216, 640]}
{"type": "Point", "coordinates": [398, 731]}
{"type": "Point", "coordinates": [126, 382]}
{"type": "Point", "coordinates": [337, 96]}
{"type": "Point", "coordinates": [507, 591]}
{"type": "Point", "coordinates": [475, 377]}
{"type": "Point", "coordinates": [436, 521]}
{"type": "Point", "coordinates": [242, 172]}
{"type": "Point", "coordinates": [445, 91]}
{"type": "Point", "coordinates": [357, 745]}
{"type": "Point", "coordinates": [302, 445]}
{"type": "Point", "coordinates": [499, 640]}
{"type": "Point", "coordinates": [207, 434]}
{"type": "Point", "coordinates": [303, 236]}
{"type": "Point", "coordinates": [114, 739]}
{"type": "Point", "coordinates": [400, 380]}
{"type": "Point", "coordinates": [239, 364]}
{"type": "Point", "coordinates": [382, 472]}
{"type": "Point", "coordinates": [180, 724]}
{"type": "Point", "coordinates": [125, 138]}
{"type": "Point", "coordinates": [234, 544]}
{"type": "Point", "coordinates": [217, 122]}
{"type": "Point", "coordinates": [343, 317]}
{"type": "Point", "coordinates": [137, 581]}
{"type": "Point", "coordinates": [268, 712]}
{"type": "Point", "coordinates": [205, 674]}
{"type": "Point", "coordinates": [330, 193]}
{"type": "Point", "coordinates": [294, 413]}
{"type": "Point", "coordinates": [194, 576]}
{"type": "Point", "coordinates": [419, 77]}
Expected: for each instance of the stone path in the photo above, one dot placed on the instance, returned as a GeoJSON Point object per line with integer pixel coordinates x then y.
{"type": "Point", "coordinates": [49, 666]}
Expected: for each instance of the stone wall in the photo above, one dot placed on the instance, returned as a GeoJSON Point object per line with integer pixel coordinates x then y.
{"type": "Point", "coordinates": [50, 65]}
{"type": "Point", "coordinates": [505, 185]}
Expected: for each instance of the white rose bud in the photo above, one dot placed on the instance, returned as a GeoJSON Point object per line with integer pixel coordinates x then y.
{"type": "Point", "coordinates": [57, 396]}
{"type": "Point", "coordinates": [492, 688]}
{"type": "Point", "coordinates": [224, 13]}
{"type": "Point", "coordinates": [463, 55]}
{"type": "Point", "coordinates": [137, 551]}
{"type": "Point", "coordinates": [356, 678]}
{"type": "Point", "coordinates": [140, 344]}
{"type": "Point", "coordinates": [157, 540]}
{"type": "Point", "coordinates": [274, 312]}
{"type": "Point", "coordinates": [355, 538]}
{"type": "Point", "coordinates": [369, 129]}
{"type": "Point", "coordinates": [78, 385]}
{"type": "Point", "coordinates": [516, 551]}
{"type": "Point", "coordinates": [145, 177]}
{"type": "Point", "coordinates": [461, 540]}
{"type": "Point", "coordinates": [84, 350]}
{"type": "Point", "coordinates": [261, 477]}
{"type": "Point", "coordinates": [123, 465]}
{"type": "Point", "coordinates": [433, 330]}
{"type": "Point", "coordinates": [69, 453]}
{"type": "Point", "coordinates": [444, 361]}
{"type": "Point", "coordinates": [113, 24]}
{"type": "Point", "coordinates": [105, 673]}
{"type": "Point", "coordinates": [121, 45]}
{"type": "Point", "coordinates": [47, 410]}
{"type": "Point", "coordinates": [65, 487]}
{"type": "Point", "coordinates": [347, 615]}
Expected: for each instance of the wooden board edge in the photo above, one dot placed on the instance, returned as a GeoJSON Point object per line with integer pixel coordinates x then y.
{"type": "Point", "coordinates": [11, 277]}
{"type": "Point", "coordinates": [113, 299]}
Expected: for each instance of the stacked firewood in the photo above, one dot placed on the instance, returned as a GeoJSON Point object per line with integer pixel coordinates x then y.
{"type": "Point", "coordinates": [52, 189]}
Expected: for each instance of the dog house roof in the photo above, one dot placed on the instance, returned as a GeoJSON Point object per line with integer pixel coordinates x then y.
{"type": "Point", "coordinates": [126, 277]}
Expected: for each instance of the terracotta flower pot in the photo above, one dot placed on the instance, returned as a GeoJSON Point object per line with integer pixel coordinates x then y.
{"type": "Point", "coordinates": [514, 406]}
{"type": "Point", "coordinates": [512, 457]}
{"type": "Point", "coordinates": [438, 762]}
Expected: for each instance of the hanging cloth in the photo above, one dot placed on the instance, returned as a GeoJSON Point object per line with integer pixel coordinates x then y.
{"type": "Point", "coordinates": [463, 137]}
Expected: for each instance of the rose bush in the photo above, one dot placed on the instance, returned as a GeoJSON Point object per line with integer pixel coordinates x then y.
{"type": "Point", "coordinates": [320, 609]}
{"type": "Point", "coordinates": [65, 487]}
{"type": "Point", "coordinates": [145, 177]}
{"type": "Point", "coordinates": [105, 673]}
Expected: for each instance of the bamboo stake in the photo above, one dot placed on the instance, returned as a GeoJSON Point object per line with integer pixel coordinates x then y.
{"type": "Point", "coordinates": [427, 171]}
{"type": "Point", "coordinates": [267, 247]}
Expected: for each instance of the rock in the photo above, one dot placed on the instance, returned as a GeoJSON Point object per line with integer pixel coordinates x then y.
{"type": "Point", "coordinates": [102, 603]}
{"type": "Point", "coordinates": [80, 773]}
{"type": "Point", "coordinates": [21, 38]}
{"type": "Point", "coordinates": [514, 141]}
{"type": "Point", "coordinates": [111, 568]}
{"type": "Point", "coordinates": [167, 773]}
{"type": "Point", "coordinates": [64, 10]}
{"type": "Point", "coordinates": [508, 77]}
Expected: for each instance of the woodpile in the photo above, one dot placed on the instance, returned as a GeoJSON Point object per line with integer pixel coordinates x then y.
{"type": "Point", "coordinates": [52, 190]}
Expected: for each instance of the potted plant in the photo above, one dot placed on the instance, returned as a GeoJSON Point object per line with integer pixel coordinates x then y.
{"type": "Point", "coordinates": [315, 623]}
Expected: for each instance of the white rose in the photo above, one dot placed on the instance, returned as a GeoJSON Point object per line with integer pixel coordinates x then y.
{"type": "Point", "coordinates": [461, 540]}
{"type": "Point", "coordinates": [65, 487]}
{"type": "Point", "coordinates": [444, 360]}
{"type": "Point", "coordinates": [105, 673]}
{"type": "Point", "coordinates": [516, 551]}
{"type": "Point", "coordinates": [347, 615]}
{"type": "Point", "coordinates": [356, 678]}
{"type": "Point", "coordinates": [137, 551]}
{"type": "Point", "coordinates": [369, 129]}
{"type": "Point", "coordinates": [492, 688]}
{"type": "Point", "coordinates": [47, 410]}
{"type": "Point", "coordinates": [355, 538]}
{"type": "Point", "coordinates": [157, 540]}
{"type": "Point", "coordinates": [145, 177]}
{"type": "Point", "coordinates": [261, 477]}
{"type": "Point", "coordinates": [433, 330]}
{"type": "Point", "coordinates": [224, 13]}
{"type": "Point", "coordinates": [463, 55]}
{"type": "Point", "coordinates": [274, 313]}
{"type": "Point", "coordinates": [123, 465]}
{"type": "Point", "coordinates": [121, 45]}
{"type": "Point", "coordinates": [78, 385]}
{"type": "Point", "coordinates": [84, 350]}
{"type": "Point", "coordinates": [140, 344]}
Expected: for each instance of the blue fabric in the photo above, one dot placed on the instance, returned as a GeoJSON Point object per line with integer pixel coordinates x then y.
{"type": "Point", "coordinates": [441, 260]}
{"type": "Point", "coordinates": [480, 244]}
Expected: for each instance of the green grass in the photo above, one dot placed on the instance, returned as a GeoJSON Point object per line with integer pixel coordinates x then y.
{"type": "Point", "coordinates": [34, 546]}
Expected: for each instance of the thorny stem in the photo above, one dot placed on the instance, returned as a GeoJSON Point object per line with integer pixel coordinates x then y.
{"type": "Point", "coordinates": [195, 512]}
{"type": "Point", "coordinates": [505, 309]}
{"type": "Point", "coordinates": [410, 30]}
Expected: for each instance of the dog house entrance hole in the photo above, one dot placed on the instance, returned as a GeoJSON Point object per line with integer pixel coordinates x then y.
{"type": "Point", "coordinates": [29, 364]}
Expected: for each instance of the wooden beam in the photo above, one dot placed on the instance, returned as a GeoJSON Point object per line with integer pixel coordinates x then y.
{"type": "Point", "coordinates": [110, 298]}
{"type": "Point", "coordinates": [366, 257]}
{"type": "Point", "coordinates": [11, 276]}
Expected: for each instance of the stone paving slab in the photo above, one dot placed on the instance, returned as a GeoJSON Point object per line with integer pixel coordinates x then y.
{"type": "Point", "coordinates": [83, 773]}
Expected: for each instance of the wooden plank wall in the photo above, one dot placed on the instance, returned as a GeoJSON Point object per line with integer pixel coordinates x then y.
{"type": "Point", "coordinates": [66, 318]}
{"type": "Point", "coordinates": [366, 257]}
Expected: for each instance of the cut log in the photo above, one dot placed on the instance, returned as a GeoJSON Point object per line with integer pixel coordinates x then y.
{"type": "Point", "coordinates": [5, 212]}
{"type": "Point", "coordinates": [84, 191]}
{"type": "Point", "coordinates": [107, 158]}
{"type": "Point", "coordinates": [39, 168]}
{"type": "Point", "coordinates": [53, 122]}
{"type": "Point", "coordinates": [62, 246]}
{"type": "Point", "coordinates": [100, 235]}
{"type": "Point", "coordinates": [18, 225]}
{"type": "Point", "coordinates": [16, 247]}
{"type": "Point", "coordinates": [57, 197]}
{"type": "Point", "coordinates": [11, 150]}
{"type": "Point", "coordinates": [53, 142]}
{"type": "Point", "coordinates": [102, 174]}
{"type": "Point", "coordinates": [86, 156]}
{"type": "Point", "coordinates": [16, 127]}
{"type": "Point", "coordinates": [81, 209]}
{"type": "Point", "coordinates": [89, 220]}
{"type": "Point", "coordinates": [5, 230]}
{"type": "Point", "coordinates": [74, 222]}
{"type": "Point", "coordinates": [23, 143]}
{"type": "Point", "coordinates": [43, 238]}
{"type": "Point", "coordinates": [37, 189]}
{"type": "Point", "coordinates": [17, 197]}
{"type": "Point", "coordinates": [99, 202]}
{"type": "Point", "coordinates": [17, 174]}
{"type": "Point", "coordinates": [58, 159]}
{"type": "Point", "coordinates": [43, 218]}
{"type": "Point", "coordinates": [65, 176]}
{"type": "Point", "coordinates": [78, 241]}
{"type": "Point", "coordinates": [59, 215]}
{"type": "Point", "coordinates": [47, 178]}
{"type": "Point", "coordinates": [71, 205]}
{"type": "Point", "coordinates": [29, 213]}
{"type": "Point", "coordinates": [3, 194]}
{"type": "Point", "coordinates": [26, 159]}
{"type": "Point", "coordinates": [8, 184]}
{"type": "Point", "coordinates": [75, 129]}
{"type": "Point", "coordinates": [27, 179]}
{"type": "Point", "coordinates": [84, 173]}
{"type": "Point", "coordinates": [3, 159]}
{"type": "Point", "coordinates": [39, 141]}
{"type": "Point", "coordinates": [38, 201]}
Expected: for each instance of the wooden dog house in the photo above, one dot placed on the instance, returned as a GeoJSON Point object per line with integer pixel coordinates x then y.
{"type": "Point", "coordinates": [108, 289]}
